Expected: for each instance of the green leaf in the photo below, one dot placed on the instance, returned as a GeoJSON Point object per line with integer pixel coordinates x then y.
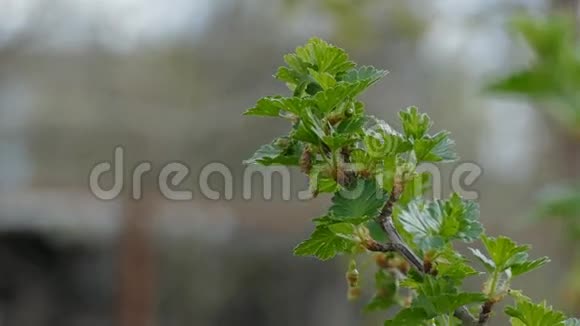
{"type": "Point", "coordinates": [337, 141]}
{"type": "Point", "coordinates": [437, 148]}
{"type": "Point", "coordinates": [282, 151]}
{"type": "Point", "coordinates": [312, 88]}
{"type": "Point", "coordinates": [296, 70]}
{"type": "Point", "coordinates": [554, 74]}
{"type": "Point", "coordinates": [362, 160]}
{"type": "Point", "coordinates": [561, 201]}
{"type": "Point", "coordinates": [415, 124]}
{"type": "Point", "coordinates": [364, 200]}
{"type": "Point", "coordinates": [386, 292]}
{"type": "Point", "coordinates": [487, 263]}
{"type": "Point", "coordinates": [504, 251]}
{"type": "Point", "coordinates": [344, 230]}
{"type": "Point", "coordinates": [423, 229]}
{"type": "Point", "coordinates": [295, 78]}
{"type": "Point", "coordinates": [321, 181]}
{"type": "Point", "coordinates": [382, 143]}
{"type": "Point", "coordinates": [547, 37]}
{"type": "Point", "coordinates": [437, 286]}
{"type": "Point", "coordinates": [309, 129]}
{"type": "Point", "coordinates": [436, 296]}
{"type": "Point", "coordinates": [446, 303]}
{"type": "Point", "coordinates": [376, 231]}
{"type": "Point", "coordinates": [506, 254]}
{"type": "Point", "coordinates": [534, 83]}
{"type": "Point", "coordinates": [388, 171]}
{"type": "Point", "coordinates": [410, 317]}
{"type": "Point", "coordinates": [451, 264]}
{"type": "Point", "coordinates": [413, 281]}
{"type": "Point", "coordinates": [440, 296]}
{"type": "Point", "coordinates": [550, 40]}
{"type": "Point", "coordinates": [324, 57]}
{"type": "Point", "coordinates": [362, 78]}
{"type": "Point", "coordinates": [460, 218]}
{"type": "Point", "coordinates": [572, 322]}
{"type": "Point", "coordinates": [416, 186]}
{"type": "Point", "coordinates": [351, 125]}
{"type": "Point", "coordinates": [313, 67]}
{"type": "Point", "coordinates": [433, 224]}
{"type": "Point", "coordinates": [273, 106]}
{"type": "Point", "coordinates": [530, 314]}
{"type": "Point", "coordinates": [324, 220]}
{"type": "Point", "coordinates": [329, 99]}
{"type": "Point", "coordinates": [324, 79]}
{"type": "Point", "coordinates": [325, 244]}
{"type": "Point", "coordinates": [329, 219]}
{"type": "Point", "coordinates": [528, 266]}
{"type": "Point", "coordinates": [367, 74]}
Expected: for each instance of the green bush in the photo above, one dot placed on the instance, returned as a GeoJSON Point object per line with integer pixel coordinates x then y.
{"type": "Point", "coordinates": [378, 205]}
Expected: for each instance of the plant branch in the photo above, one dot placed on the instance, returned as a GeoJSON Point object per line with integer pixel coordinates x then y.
{"type": "Point", "coordinates": [386, 222]}
{"type": "Point", "coordinates": [485, 312]}
{"type": "Point", "coordinates": [397, 244]}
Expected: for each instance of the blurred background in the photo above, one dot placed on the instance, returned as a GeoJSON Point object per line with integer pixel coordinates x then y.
{"type": "Point", "coordinates": [168, 81]}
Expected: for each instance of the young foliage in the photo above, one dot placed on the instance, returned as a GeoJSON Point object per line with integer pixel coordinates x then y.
{"type": "Point", "coordinates": [572, 322]}
{"type": "Point", "coordinates": [377, 195]}
{"type": "Point", "coordinates": [364, 202]}
{"type": "Point", "coordinates": [386, 294]}
{"type": "Point", "coordinates": [552, 81]}
{"type": "Point", "coordinates": [435, 297]}
{"type": "Point", "coordinates": [562, 202]}
{"type": "Point", "coordinates": [434, 224]}
{"type": "Point", "coordinates": [527, 313]}
{"type": "Point", "coordinates": [507, 255]}
{"type": "Point", "coordinates": [327, 241]}
{"type": "Point", "coordinates": [553, 75]}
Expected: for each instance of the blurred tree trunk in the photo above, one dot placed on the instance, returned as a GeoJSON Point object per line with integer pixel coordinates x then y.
{"type": "Point", "coordinates": [564, 4]}
{"type": "Point", "coordinates": [136, 288]}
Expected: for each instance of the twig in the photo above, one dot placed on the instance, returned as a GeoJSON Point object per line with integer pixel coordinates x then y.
{"type": "Point", "coordinates": [485, 313]}
{"type": "Point", "coordinates": [463, 314]}
{"type": "Point", "coordinates": [400, 246]}
{"type": "Point", "coordinates": [386, 222]}
{"type": "Point", "coordinates": [397, 244]}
